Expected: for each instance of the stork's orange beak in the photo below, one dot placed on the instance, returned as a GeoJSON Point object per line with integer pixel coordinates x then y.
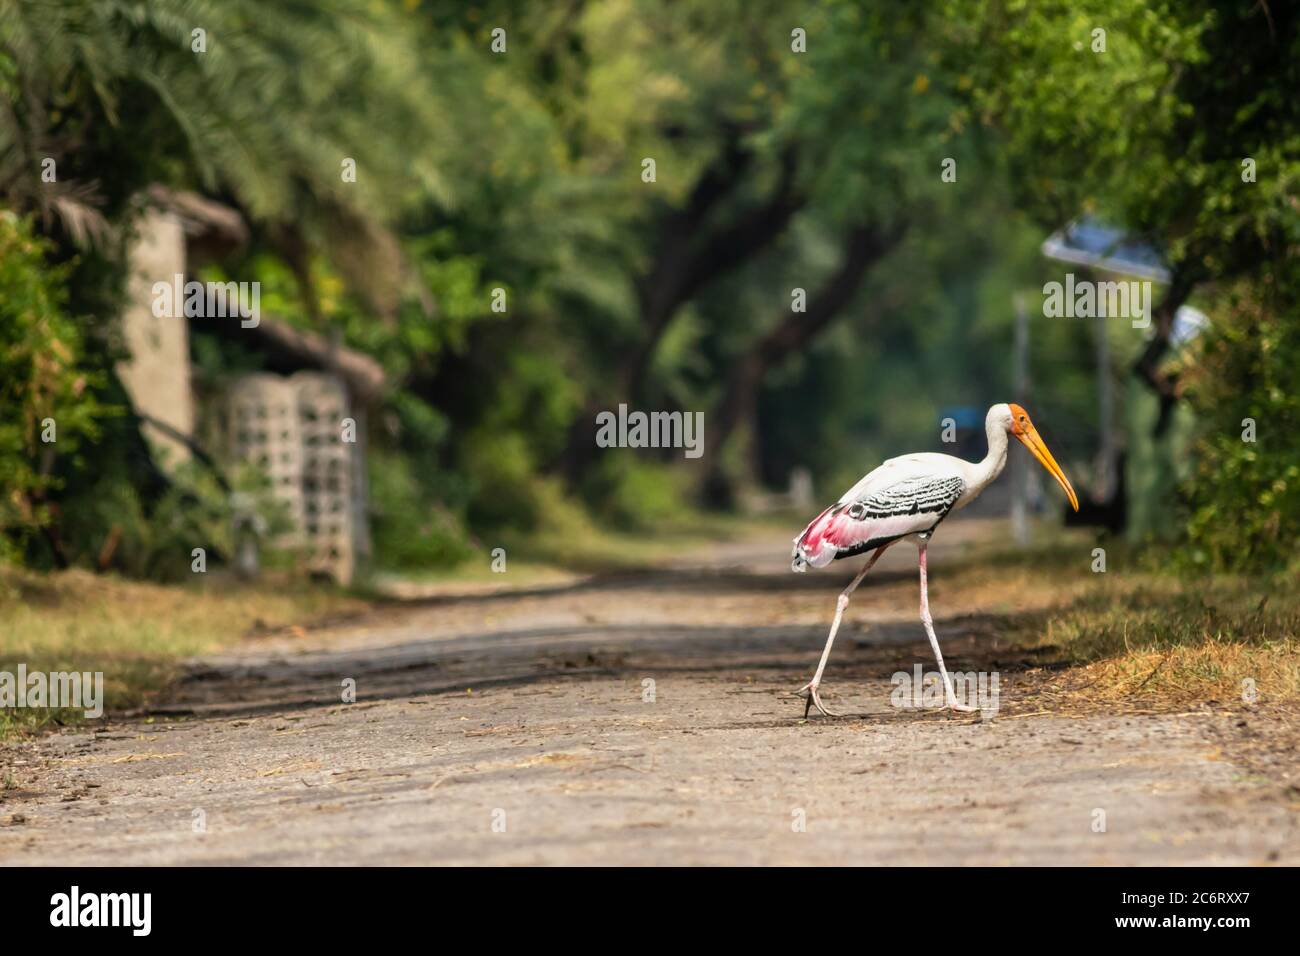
{"type": "Point", "coordinates": [1030, 438]}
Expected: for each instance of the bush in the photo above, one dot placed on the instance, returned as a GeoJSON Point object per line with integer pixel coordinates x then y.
{"type": "Point", "coordinates": [1244, 496]}
{"type": "Point", "coordinates": [152, 539]}
{"type": "Point", "coordinates": [44, 393]}
{"type": "Point", "coordinates": [638, 495]}
{"type": "Point", "coordinates": [505, 493]}
{"type": "Point", "coordinates": [410, 529]}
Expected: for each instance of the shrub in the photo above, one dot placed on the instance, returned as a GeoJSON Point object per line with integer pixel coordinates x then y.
{"type": "Point", "coordinates": [410, 528]}
{"type": "Point", "coordinates": [1244, 496]}
{"type": "Point", "coordinates": [44, 393]}
{"type": "Point", "coordinates": [639, 495]}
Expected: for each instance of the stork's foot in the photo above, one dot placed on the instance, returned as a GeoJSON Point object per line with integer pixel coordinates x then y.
{"type": "Point", "coordinates": [961, 708]}
{"type": "Point", "coordinates": [812, 699]}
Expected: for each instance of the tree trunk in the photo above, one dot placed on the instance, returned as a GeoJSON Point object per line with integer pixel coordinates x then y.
{"type": "Point", "coordinates": [863, 248]}
{"type": "Point", "coordinates": [1147, 367]}
{"type": "Point", "coordinates": [690, 257]}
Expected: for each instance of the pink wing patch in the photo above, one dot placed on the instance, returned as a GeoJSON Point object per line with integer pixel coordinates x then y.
{"type": "Point", "coordinates": [906, 507]}
{"type": "Point", "coordinates": [810, 545]}
{"type": "Point", "coordinates": [834, 531]}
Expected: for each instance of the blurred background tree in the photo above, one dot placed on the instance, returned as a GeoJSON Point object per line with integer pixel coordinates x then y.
{"type": "Point", "coordinates": [793, 149]}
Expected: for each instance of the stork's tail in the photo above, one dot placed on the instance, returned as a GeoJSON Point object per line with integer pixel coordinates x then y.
{"type": "Point", "coordinates": [810, 548]}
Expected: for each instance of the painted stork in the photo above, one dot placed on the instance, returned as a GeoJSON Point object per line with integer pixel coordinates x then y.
{"type": "Point", "coordinates": [908, 497]}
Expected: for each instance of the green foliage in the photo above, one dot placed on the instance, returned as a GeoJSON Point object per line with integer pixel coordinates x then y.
{"type": "Point", "coordinates": [265, 105]}
{"type": "Point", "coordinates": [41, 385]}
{"type": "Point", "coordinates": [411, 528]}
{"type": "Point", "coordinates": [278, 95]}
{"type": "Point", "coordinates": [885, 122]}
{"type": "Point", "coordinates": [638, 495]}
{"type": "Point", "coordinates": [1079, 127]}
{"type": "Point", "coordinates": [477, 171]}
{"type": "Point", "coordinates": [424, 328]}
{"type": "Point", "coordinates": [505, 481]}
{"type": "Point", "coordinates": [1152, 132]}
{"type": "Point", "coordinates": [115, 524]}
{"type": "Point", "coordinates": [1244, 496]}
{"type": "Point", "coordinates": [1181, 130]}
{"type": "Point", "coordinates": [154, 538]}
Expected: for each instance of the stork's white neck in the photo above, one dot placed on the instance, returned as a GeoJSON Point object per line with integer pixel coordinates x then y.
{"type": "Point", "coordinates": [993, 463]}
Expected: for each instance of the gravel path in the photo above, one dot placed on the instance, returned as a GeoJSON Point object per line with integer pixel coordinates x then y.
{"type": "Point", "coordinates": [642, 719]}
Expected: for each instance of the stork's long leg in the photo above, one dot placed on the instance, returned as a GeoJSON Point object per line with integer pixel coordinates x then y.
{"type": "Point", "coordinates": [949, 696]}
{"type": "Point", "coordinates": [814, 700]}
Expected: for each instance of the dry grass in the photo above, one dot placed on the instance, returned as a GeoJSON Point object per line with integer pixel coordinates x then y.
{"type": "Point", "coordinates": [1213, 672]}
{"type": "Point", "coordinates": [136, 633]}
{"type": "Point", "coordinates": [1140, 636]}
{"type": "Point", "coordinates": [1154, 640]}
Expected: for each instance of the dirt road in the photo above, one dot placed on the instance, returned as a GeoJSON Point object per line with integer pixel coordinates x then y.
{"type": "Point", "coordinates": [641, 719]}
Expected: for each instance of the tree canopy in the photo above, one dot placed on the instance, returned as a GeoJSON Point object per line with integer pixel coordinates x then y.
{"type": "Point", "coordinates": [808, 223]}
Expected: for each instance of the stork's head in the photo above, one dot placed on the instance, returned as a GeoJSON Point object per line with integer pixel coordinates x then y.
{"type": "Point", "coordinates": [1016, 421]}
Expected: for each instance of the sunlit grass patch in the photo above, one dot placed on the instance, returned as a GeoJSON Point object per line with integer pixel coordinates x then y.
{"type": "Point", "coordinates": [1158, 639]}
{"type": "Point", "coordinates": [585, 546]}
{"type": "Point", "coordinates": [1217, 671]}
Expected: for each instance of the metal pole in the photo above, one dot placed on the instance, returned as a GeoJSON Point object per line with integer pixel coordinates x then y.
{"type": "Point", "coordinates": [1105, 481]}
{"type": "Point", "coordinates": [1019, 473]}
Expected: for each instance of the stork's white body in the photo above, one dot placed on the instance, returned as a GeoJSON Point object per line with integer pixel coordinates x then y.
{"type": "Point", "coordinates": [906, 497]}
{"type": "Point", "coordinates": [927, 465]}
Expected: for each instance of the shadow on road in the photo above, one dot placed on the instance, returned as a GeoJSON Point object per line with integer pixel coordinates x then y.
{"type": "Point", "coordinates": [685, 580]}
{"type": "Point", "coordinates": [478, 662]}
